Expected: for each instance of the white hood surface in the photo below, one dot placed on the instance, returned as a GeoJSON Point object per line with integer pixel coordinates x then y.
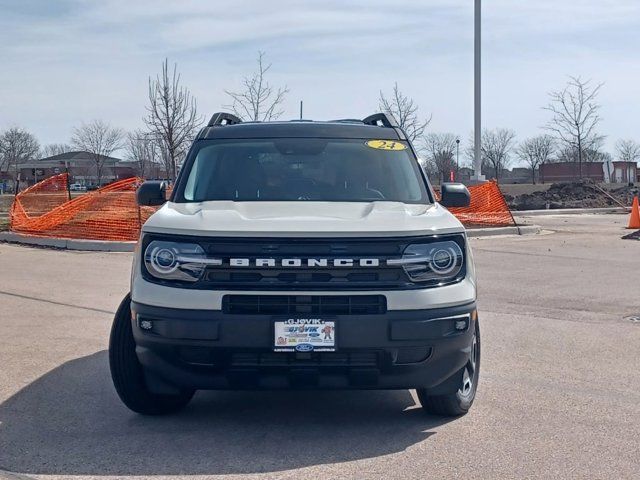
{"type": "Point", "coordinates": [302, 219]}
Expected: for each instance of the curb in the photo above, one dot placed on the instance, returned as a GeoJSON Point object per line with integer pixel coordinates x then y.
{"type": "Point", "coordinates": [568, 211]}
{"type": "Point", "coordinates": [494, 231]}
{"type": "Point", "coordinates": [68, 243]}
{"type": "Point", "coordinates": [5, 475]}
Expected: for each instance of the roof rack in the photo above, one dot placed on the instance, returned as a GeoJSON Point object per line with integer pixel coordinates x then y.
{"type": "Point", "coordinates": [381, 120]}
{"type": "Point", "coordinates": [223, 118]}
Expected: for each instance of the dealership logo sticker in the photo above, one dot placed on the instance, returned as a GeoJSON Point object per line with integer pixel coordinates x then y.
{"type": "Point", "coordinates": [304, 335]}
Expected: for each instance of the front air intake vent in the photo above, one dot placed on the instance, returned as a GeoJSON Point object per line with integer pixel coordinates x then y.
{"type": "Point", "coordinates": [304, 304]}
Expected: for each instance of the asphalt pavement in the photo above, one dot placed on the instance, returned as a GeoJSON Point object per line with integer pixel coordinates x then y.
{"type": "Point", "coordinates": [559, 391]}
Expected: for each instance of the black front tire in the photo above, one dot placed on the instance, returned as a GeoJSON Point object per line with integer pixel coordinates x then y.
{"type": "Point", "coordinates": [459, 402]}
{"type": "Point", "coordinates": [127, 372]}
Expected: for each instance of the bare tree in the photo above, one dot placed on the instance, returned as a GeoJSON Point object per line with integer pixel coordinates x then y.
{"type": "Point", "coordinates": [536, 151]}
{"type": "Point", "coordinates": [591, 152]}
{"type": "Point", "coordinates": [165, 158]}
{"type": "Point", "coordinates": [628, 150]}
{"type": "Point", "coordinates": [55, 149]}
{"type": "Point", "coordinates": [258, 100]}
{"type": "Point", "coordinates": [594, 151]}
{"type": "Point", "coordinates": [575, 115]}
{"type": "Point", "coordinates": [17, 146]}
{"type": "Point", "coordinates": [172, 115]}
{"type": "Point", "coordinates": [428, 167]}
{"type": "Point", "coordinates": [441, 150]}
{"type": "Point", "coordinates": [143, 149]}
{"type": "Point", "coordinates": [497, 146]}
{"type": "Point", "coordinates": [100, 140]}
{"type": "Point", "coordinates": [605, 157]}
{"type": "Point", "coordinates": [405, 111]}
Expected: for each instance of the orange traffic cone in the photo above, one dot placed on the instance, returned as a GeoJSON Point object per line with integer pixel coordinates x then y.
{"type": "Point", "coordinates": [634, 219]}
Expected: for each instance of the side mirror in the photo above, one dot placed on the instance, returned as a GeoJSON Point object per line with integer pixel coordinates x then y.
{"type": "Point", "coordinates": [454, 195]}
{"type": "Point", "coordinates": [151, 193]}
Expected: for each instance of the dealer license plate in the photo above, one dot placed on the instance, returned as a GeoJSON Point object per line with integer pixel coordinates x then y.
{"type": "Point", "coordinates": [304, 335]}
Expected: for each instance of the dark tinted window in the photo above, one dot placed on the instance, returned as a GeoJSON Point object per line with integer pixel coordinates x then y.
{"type": "Point", "coordinates": [301, 169]}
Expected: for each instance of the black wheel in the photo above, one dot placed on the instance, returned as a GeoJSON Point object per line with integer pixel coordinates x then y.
{"type": "Point", "coordinates": [457, 403]}
{"type": "Point", "coordinates": [128, 375]}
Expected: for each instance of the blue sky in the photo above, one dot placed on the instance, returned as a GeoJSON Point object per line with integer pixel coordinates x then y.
{"type": "Point", "coordinates": [70, 61]}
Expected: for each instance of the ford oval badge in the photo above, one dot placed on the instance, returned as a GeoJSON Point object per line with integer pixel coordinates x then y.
{"type": "Point", "coordinates": [304, 347]}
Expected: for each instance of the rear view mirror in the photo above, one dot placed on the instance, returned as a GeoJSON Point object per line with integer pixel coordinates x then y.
{"type": "Point", "coordinates": [300, 146]}
{"type": "Point", "coordinates": [151, 193]}
{"type": "Point", "coordinates": [454, 195]}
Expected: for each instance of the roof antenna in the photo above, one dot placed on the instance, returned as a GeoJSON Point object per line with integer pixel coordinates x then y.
{"type": "Point", "coordinates": [300, 109]}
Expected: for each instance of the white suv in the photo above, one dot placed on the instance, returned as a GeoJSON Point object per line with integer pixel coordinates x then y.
{"type": "Point", "coordinates": [299, 255]}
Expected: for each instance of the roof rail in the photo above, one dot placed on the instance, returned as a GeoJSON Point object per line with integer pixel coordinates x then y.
{"type": "Point", "coordinates": [347, 120]}
{"type": "Point", "coordinates": [223, 118]}
{"type": "Point", "coordinates": [381, 120]}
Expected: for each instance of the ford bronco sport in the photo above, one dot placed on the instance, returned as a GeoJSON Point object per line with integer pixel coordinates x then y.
{"type": "Point", "coordinates": [299, 255]}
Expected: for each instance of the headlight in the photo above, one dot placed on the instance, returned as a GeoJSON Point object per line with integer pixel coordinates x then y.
{"type": "Point", "coordinates": [176, 261]}
{"type": "Point", "coordinates": [438, 262]}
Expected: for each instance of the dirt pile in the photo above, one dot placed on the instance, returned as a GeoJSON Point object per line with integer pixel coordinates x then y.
{"type": "Point", "coordinates": [581, 194]}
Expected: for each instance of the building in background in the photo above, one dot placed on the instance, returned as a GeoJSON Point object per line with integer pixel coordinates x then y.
{"type": "Point", "coordinates": [623, 172]}
{"type": "Point", "coordinates": [569, 171]}
{"type": "Point", "coordinates": [81, 167]}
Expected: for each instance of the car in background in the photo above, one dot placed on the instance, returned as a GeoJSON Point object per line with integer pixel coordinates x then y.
{"type": "Point", "coordinates": [77, 187]}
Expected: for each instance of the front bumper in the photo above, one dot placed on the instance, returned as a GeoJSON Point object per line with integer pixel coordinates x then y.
{"type": "Point", "coordinates": [210, 349]}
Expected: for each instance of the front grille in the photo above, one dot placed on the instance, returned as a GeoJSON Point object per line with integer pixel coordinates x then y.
{"type": "Point", "coordinates": [304, 304]}
{"type": "Point", "coordinates": [330, 277]}
{"type": "Point", "coordinates": [301, 278]}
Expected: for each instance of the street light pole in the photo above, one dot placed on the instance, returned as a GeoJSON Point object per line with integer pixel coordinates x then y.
{"type": "Point", "coordinates": [457, 159]}
{"type": "Point", "coordinates": [477, 124]}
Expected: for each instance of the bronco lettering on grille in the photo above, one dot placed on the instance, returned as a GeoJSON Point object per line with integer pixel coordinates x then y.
{"type": "Point", "coordinates": [303, 262]}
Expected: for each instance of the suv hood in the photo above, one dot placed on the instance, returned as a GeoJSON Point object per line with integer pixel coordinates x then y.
{"type": "Point", "coordinates": [302, 219]}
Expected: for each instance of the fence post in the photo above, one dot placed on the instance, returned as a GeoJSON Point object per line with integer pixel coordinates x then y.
{"type": "Point", "coordinates": [66, 168]}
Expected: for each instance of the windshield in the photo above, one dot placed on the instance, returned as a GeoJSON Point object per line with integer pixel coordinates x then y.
{"type": "Point", "coordinates": [302, 169]}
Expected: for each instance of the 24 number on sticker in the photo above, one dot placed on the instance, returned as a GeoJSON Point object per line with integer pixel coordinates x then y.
{"type": "Point", "coordinates": [386, 145]}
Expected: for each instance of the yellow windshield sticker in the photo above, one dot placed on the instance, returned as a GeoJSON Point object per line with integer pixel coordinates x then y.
{"type": "Point", "coordinates": [386, 145]}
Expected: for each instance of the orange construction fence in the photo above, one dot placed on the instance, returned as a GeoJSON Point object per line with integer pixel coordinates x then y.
{"type": "Point", "coordinates": [111, 212]}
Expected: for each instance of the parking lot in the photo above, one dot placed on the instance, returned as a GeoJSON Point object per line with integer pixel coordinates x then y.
{"type": "Point", "coordinates": [558, 395]}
